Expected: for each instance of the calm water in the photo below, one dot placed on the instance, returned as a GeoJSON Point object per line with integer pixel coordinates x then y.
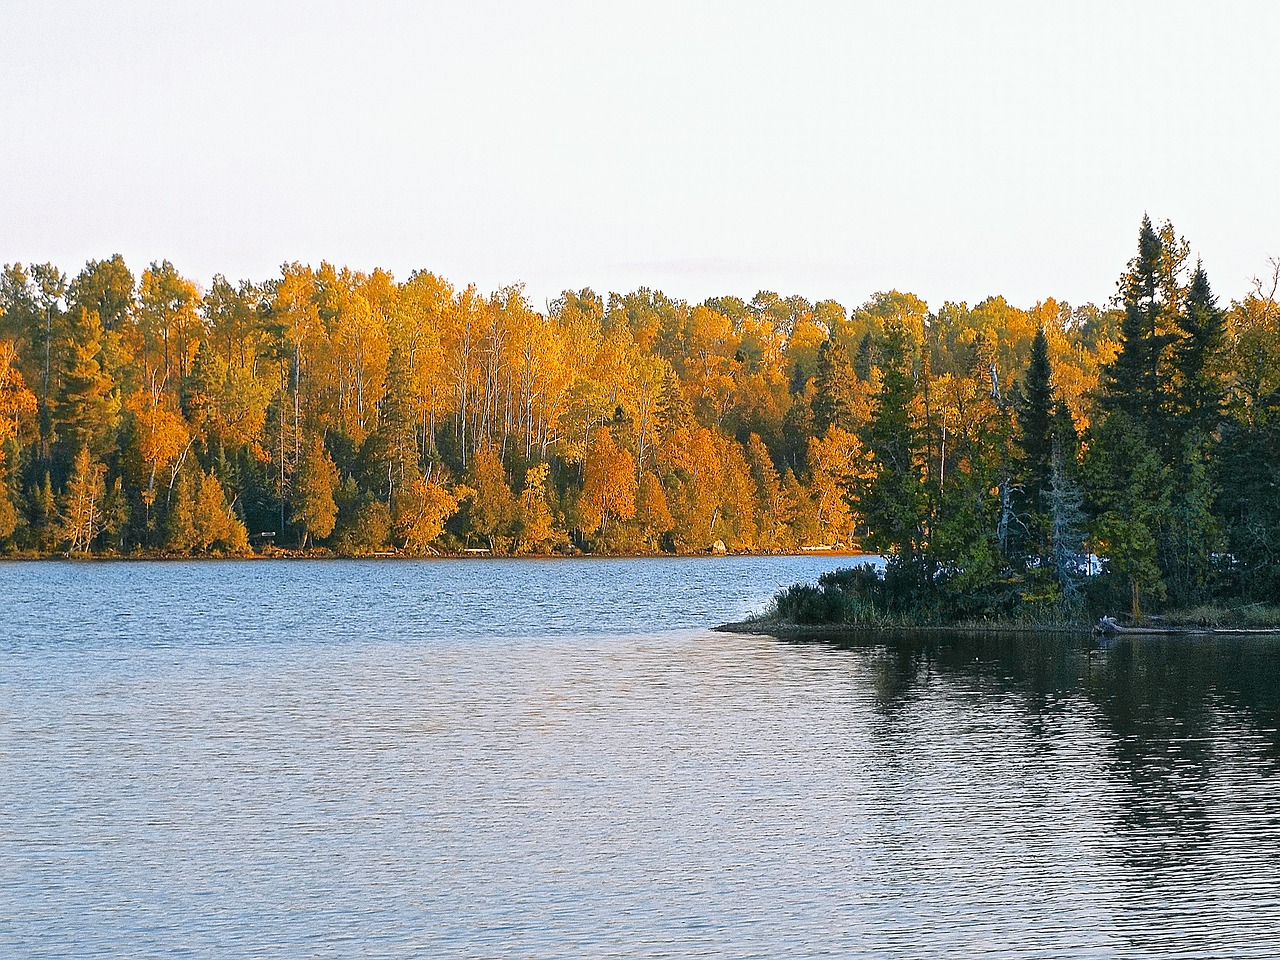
{"type": "Point", "coordinates": [558, 759]}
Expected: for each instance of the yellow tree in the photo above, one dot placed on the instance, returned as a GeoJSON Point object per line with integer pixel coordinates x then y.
{"type": "Point", "coordinates": [653, 515]}
{"type": "Point", "coordinates": [17, 403]}
{"type": "Point", "coordinates": [608, 486]}
{"type": "Point", "coordinates": [424, 510]}
{"type": "Point", "coordinates": [314, 508]}
{"type": "Point", "coordinates": [160, 436]}
{"type": "Point", "coordinates": [839, 465]}
{"type": "Point", "coordinates": [82, 503]}
{"type": "Point", "coordinates": [650, 373]}
{"type": "Point", "coordinates": [534, 529]}
{"type": "Point", "coordinates": [417, 328]}
{"type": "Point", "coordinates": [355, 360]}
{"type": "Point", "coordinates": [168, 324]}
{"type": "Point", "coordinates": [691, 454]}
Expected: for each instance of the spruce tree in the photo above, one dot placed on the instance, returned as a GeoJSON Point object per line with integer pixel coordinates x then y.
{"type": "Point", "coordinates": [391, 451]}
{"type": "Point", "coordinates": [1035, 416]}
{"type": "Point", "coordinates": [1200, 392]}
{"type": "Point", "coordinates": [86, 405]}
{"type": "Point", "coordinates": [832, 400]}
{"type": "Point", "coordinates": [1132, 384]}
{"type": "Point", "coordinates": [867, 356]}
{"type": "Point", "coordinates": [46, 521]}
{"type": "Point", "coordinates": [895, 505]}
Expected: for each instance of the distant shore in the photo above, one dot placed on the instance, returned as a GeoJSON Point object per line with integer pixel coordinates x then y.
{"type": "Point", "coordinates": [478, 554]}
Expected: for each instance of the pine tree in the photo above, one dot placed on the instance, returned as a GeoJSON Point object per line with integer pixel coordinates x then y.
{"type": "Point", "coordinates": [1034, 412]}
{"type": "Point", "coordinates": [392, 450]}
{"type": "Point", "coordinates": [832, 398]}
{"type": "Point", "coordinates": [1035, 415]}
{"type": "Point", "coordinates": [1132, 384]}
{"type": "Point", "coordinates": [46, 522]}
{"type": "Point", "coordinates": [86, 406]}
{"type": "Point", "coordinates": [895, 506]}
{"type": "Point", "coordinates": [1200, 392]}
{"type": "Point", "coordinates": [866, 357]}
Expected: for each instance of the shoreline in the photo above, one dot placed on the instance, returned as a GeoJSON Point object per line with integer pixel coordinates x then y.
{"type": "Point", "coordinates": [835, 631]}
{"type": "Point", "coordinates": [831, 631]}
{"type": "Point", "coordinates": [475, 555]}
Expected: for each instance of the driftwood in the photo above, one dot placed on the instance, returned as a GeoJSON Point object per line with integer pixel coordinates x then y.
{"type": "Point", "coordinates": [1108, 627]}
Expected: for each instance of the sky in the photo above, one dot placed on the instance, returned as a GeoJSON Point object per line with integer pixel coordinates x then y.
{"type": "Point", "coordinates": [954, 150]}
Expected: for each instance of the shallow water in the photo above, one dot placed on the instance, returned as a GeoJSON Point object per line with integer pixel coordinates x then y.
{"type": "Point", "coordinates": [559, 759]}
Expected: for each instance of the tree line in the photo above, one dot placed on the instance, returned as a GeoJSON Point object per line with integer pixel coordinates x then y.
{"type": "Point", "coordinates": [329, 409]}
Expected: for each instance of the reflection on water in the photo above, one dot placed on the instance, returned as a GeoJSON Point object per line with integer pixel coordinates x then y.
{"type": "Point", "coordinates": [560, 760]}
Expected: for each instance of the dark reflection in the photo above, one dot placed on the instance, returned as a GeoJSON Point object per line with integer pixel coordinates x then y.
{"type": "Point", "coordinates": [1189, 724]}
{"type": "Point", "coordinates": [1148, 692]}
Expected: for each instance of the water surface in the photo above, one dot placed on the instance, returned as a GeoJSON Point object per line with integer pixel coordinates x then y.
{"type": "Point", "coordinates": [559, 759]}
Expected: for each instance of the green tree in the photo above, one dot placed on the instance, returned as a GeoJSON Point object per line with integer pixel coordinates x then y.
{"type": "Point", "coordinates": [1200, 390]}
{"type": "Point", "coordinates": [833, 389]}
{"type": "Point", "coordinates": [104, 287]}
{"type": "Point", "coordinates": [1035, 441]}
{"type": "Point", "coordinates": [895, 505]}
{"type": "Point", "coordinates": [87, 405]}
{"type": "Point", "coordinates": [46, 521]}
{"type": "Point", "coordinates": [391, 451]}
{"type": "Point", "coordinates": [1133, 384]}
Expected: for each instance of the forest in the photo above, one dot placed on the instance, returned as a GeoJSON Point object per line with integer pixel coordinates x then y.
{"type": "Point", "coordinates": [1000, 456]}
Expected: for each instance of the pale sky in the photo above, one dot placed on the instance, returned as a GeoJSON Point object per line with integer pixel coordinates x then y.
{"type": "Point", "coordinates": [956, 150]}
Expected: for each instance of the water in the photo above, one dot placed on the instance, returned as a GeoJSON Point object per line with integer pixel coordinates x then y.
{"type": "Point", "coordinates": [559, 759]}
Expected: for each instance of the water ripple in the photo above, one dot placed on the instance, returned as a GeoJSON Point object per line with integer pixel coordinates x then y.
{"type": "Point", "coordinates": [558, 760]}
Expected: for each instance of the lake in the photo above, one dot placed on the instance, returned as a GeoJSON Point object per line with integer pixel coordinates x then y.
{"type": "Point", "coordinates": [490, 758]}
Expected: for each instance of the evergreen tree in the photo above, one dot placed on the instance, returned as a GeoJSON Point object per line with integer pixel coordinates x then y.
{"type": "Point", "coordinates": [1200, 392]}
{"type": "Point", "coordinates": [1035, 415]}
{"type": "Point", "coordinates": [833, 383]}
{"type": "Point", "coordinates": [1034, 411]}
{"type": "Point", "coordinates": [1132, 384]}
{"type": "Point", "coordinates": [866, 357]}
{"type": "Point", "coordinates": [1248, 503]}
{"type": "Point", "coordinates": [895, 506]}
{"type": "Point", "coordinates": [391, 451]}
{"type": "Point", "coordinates": [115, 515]}
{"type": "Point", "coordinates": [87, 405]}
{"type": "Point", "coordinates": [46, 522]}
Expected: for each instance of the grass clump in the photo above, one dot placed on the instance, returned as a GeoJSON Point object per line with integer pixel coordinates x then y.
{"type": "Point", "coordinates": [906, 595]}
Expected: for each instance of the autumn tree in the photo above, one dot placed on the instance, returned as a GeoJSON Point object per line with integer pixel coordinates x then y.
{"type": "Point", "coordinates": [608, 487]}
{"type": "Point", "coordinates": [314, 509]}
{"type": "Point", "coordinates": [82, 515]}
{"type": "Point", "coordinates": [492, 507]}
{"type": "Point", "coordinates": [534, 527]}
